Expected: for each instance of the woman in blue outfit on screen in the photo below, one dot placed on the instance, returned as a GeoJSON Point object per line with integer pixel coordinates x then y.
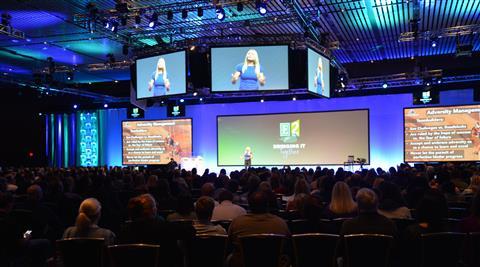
{"type": "Point", "coordinates": [159, 81]}
{"type": "Point", "coordinates": [249, 72]}
{"type": "Point", "coordinates": [318, 78]}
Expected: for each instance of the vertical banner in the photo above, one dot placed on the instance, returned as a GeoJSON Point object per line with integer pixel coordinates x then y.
{"type": "Point", "coordinates": [88, 138]}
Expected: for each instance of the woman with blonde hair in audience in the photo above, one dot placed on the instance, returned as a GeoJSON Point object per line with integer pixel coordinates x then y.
{"type": "Point", "coordinates": [86, 226]}
{"type": "Point", "coordinates": [341, 204]}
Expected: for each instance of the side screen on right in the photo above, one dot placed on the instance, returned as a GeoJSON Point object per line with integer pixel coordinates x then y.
{"type": "Point", "coordinates": [294, 138]}
{"type": "Point", "coordinates": [442, 134]}
{"type": "Point", "coordinates": [318, 74]}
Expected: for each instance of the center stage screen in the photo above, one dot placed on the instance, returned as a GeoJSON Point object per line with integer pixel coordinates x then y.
{"type": "Point", "coordinates": [155, 142]}
{"type": "Point", "coordinates": [250, 68]}
{"type": "Point", "coordinates": [327, 138]}
{"type": "Point", "coordinates": [442, 134]}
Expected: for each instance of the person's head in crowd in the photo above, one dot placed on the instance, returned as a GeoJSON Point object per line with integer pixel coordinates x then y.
{"type": "Point", "coordinates": [225, 195]}
{"type": "Point", "coordinates": [233, 186]}
{"type": "Point", "coordinates": [204, 208]}
{"type": "Point", "coordinates": [152, 181]}
{"type": "Point", "coordinates": [367, 200]}
{"type": "Point", "coordinates": [448, 187]}
{"type": "Point", "coordinates": [184, 204]}
{"type": "Point", "coordinates": [143, 206]}
{"type": "Point", "coordinates": [302, 187]}
{"type": "Point", "coordinates": [88, 214]}
{"type": "Point", "coordinates": [163, 188]}
{"type": "Point", "coordinates": [3, 184]}
{"type": "Point", "coordinates": [342, 201]}
{"type": "Point", "coordinates": [253, 183]}
{"type": "Point", "coordinates": [35, 193]}
{"type": "Point", "coordinates": [474, 183]}
{"type": "Point", "coordinates": [432, 209]}
{"type": "Point", "coordinates": [6, 202]}
{"type": "Point", "coordinates": [265, 187]}
{"type": "Point", "coordinates": [390, 196]}
{"type": "Point", "coordinates": [208, 189]}
{"type": "Point", "coordinates": [258, 202]}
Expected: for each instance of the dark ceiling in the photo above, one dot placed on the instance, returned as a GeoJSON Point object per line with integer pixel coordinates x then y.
{"type": "Point", "coordinates": [356, 31]}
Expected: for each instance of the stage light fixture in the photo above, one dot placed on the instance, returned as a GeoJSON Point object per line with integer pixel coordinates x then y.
{"type": "Point", "coordinates": [105, 105]}
{"type": "Point", "coordinates": [106, 24]}
{"type": "Point", "coordinates": [123, 21]}
{"type": "Point", "coordinates": [192, 48]}
{"type": "Point", "coordinates": [184, 14]}
{"type": "Point", "coordinates": [138, 19]}
{"type": "Point", "coordinates": [69, 75]}
{"type": "Point", "coordinates": [385, 85]}
{"type": "Point", "coordinates": [75, 106]}
{"type": "Point", "coordinates": [434, 44]}
{"type": "Point", "coordinates": [170, 15]}
{"type": "Point", "coordinates": [182, 100]}
{"type": "Point", "coordinates": [294, 98]}
{"type": "Point", "coordinates": [195, 93]}
{"type": "Point", "coordinates": [153, 21]}
{"type": "Point", "coordinates": [220, 12]}
{"type": "Point", "coordinates": [240, 7]}
{"type": "Point", "coordinates": [200, 12]}
{"type": "Point", "coordinates": [261, 7]}
{"type": "Point", "coordinates": [114, 27]}
{"type": "Point", "coordinates": [201, 99]}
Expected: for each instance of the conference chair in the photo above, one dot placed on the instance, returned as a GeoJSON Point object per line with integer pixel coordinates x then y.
{"type": "Point", "coordinates": [371, 250]}
{"type": "Point", "coordinates": [80, 252]}
{"type": "Point", "coordinates": [263, 250]}
{"type": "Point", "coordinates": [402, 224]}
{"type": "Point", "coordinates": [457, 213]}
{"type": "Point", "coordinates": [442, 249]}
{"type": "Point", "coordinates": [132, 255]}
{"type": "Point", "coordinates": [224, 223]}
{"type": "Point", "coordinates": [315, 250]}
{"type": "Point", "coordinates": [207, 251]}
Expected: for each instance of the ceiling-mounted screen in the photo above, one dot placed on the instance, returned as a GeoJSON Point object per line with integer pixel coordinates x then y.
{"type": "Point", "coordinates": [253, 68]}
{"type": "Point", "coordinates": [318, 73]}
{"type": "Point", "coordinates": [162, 75]}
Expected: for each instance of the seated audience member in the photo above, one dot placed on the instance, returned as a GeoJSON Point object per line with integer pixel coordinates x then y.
{"type": "Point", "coordinates": [146, 227]}
{"type": "Point", "coordinates": [86, 223]}
{"type": "Point", "coordinates": [259, 221]}
{"type": "Point", "coordinates": [203, 224]}
{"type": "Point", "coordinates": [368, 221]}
{"type": "Point", "coordinates": [341, 204]}
{"type": "Point", "coordinates": [226, 210]}
{"type": "Point", "coordinates": [391, 203]}
{"type": "Point", "coordinates": [472, 222]}
{"type": "Point", "coordinates": [473, 187]}
{"type": "Point", "coordinates": [451, 192]}
{"type": "Point", "coordinates": [431, 212]}
{"type": "Point", "coordinates": [184, 210]}
{"type": "Point", "coordinates": [273, 204]}
{"type": "Point", "coordinates": [208, 190]}
{"type": "Point", "coordinates": [301, 187]}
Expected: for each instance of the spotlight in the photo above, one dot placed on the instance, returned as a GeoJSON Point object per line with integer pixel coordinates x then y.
{"type": "Point", "coordinates": [195, 93]}
{"type": "Point", "coordinates": [114, 26]}
{"type": "Point", "coordinates": [40, 114]}
{"type": "Point", "coordinates": [434, 44]}
{"type": "Point", "coordinates": [261, 7]}
{"type": "Point", "coordinates": [138, 19]}
{"type": "Point", "coordinates": [106, 24]}
{"type": "Point", "coordinates": [220, 12]}
{"type": "Point", "coordinates": [69, 75]}
{"type": "Point", "coordinates": [182, 100]}
{"type": "Point", "coordinates": [240, 7]}
{"type": "Point", "coordinates": [201, 99]}
{"type": "Point", "coordinates": [184, 14]}
{"type": "Point", "coordinates": [439, 80]}
{"type": "Point", "coordinates": [192, 48]}
{"type": "Point", "coordinates": [261, 100]}
{"type": "Point", "coordinates": [153, 21]}
{"type": "Point", "coordinates": [294, 98]}
{"type": "Point", "coordinates": [200, 12]}
{"type": "Point", "coordinates": [385, 85]}
{"type": "Point", "coordinates": [170, 15]}
{"type": "Point", "coordinates": [75, 106]}
{"type": "Point", "coordinates": [105, 105]}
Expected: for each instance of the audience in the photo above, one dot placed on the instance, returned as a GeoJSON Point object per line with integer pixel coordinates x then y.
{"type": "Point", "coordinates": [391, 203]}
{"type": "Point", "coordinates": [86, 223]}
{"type": "Point", "coordinates": [226, 210]}
{"type": "Point", "coordinates": [472, 222]}
{"type": "Point", "coordinates": [203, 225]}
{"type": "Point", "coordinates": [184, 210]}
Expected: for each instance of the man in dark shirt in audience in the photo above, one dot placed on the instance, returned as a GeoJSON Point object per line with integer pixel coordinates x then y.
{"type": "Point", "coordinates": [146, 227]}
{"type": "Point", "coordinates": [259, 221]}
{"type": "Point", "coordinates": [368, 221]}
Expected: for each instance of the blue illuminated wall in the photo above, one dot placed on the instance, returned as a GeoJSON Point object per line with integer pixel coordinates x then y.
{"type": "Point", "coordinates": [386, 123]}
{"type": "Point", "coordinates": [88, 139]}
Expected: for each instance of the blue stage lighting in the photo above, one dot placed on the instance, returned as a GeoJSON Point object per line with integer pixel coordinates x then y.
{"type": "Point", "coordinates": [153, 20]}
{"type": "Point", "coordinates": [385, 85]}
{"type": "Point", "coordinates": [75, 106]}
{"type": "Point", "coordinates": [261, 7]}
{"type": "Point", "coordinates": [220, 13]}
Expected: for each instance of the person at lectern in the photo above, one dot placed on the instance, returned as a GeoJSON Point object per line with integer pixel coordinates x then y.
{"type": "Point", "coordinates": [159, 82]}
{"type": "Point", "coordinates": [247, 157]}
{"type": "Point", "coordinates": [318, 78]}
{"type": "Point", "coordinates": [249, 72]}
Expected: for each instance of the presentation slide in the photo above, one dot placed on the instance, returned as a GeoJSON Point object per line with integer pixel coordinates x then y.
{"type": "Point", "coordinates": [156, 142]}
{"type": "Point", "coordinates": [249, 68]}
{"type": "Point", "coordinates": [442, 134]}
{"type": "Point", "coordinates": [161, 75]}
{"type": "Point", "coordinates": [320, 138]}
{"type": "Point", "coordinates": [318, 74]}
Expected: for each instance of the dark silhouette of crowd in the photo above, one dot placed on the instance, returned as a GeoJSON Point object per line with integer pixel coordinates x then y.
{"type": "Point", "coordinates": [125, 205]}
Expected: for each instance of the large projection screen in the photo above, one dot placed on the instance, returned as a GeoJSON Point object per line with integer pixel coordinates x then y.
{"type": "Point", "coordinates": [326, 138]}
{"type": "Point", "coordinates": [156, 141]}
{"type": "Point", "coordinates": [436, 134]}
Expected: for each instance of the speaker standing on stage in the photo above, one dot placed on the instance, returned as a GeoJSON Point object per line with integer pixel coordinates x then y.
{"type": "Point", "coordinates": [247, 156]}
